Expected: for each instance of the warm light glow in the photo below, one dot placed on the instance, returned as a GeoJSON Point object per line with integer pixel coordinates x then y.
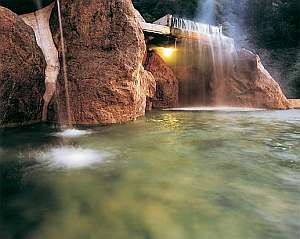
{"type": "Point", "coordinates": [167, 52]}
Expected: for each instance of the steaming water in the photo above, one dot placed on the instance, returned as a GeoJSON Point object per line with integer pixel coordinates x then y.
{"type": "Point", "coordinates": [223, 109]}
{"type": "Point", "coordinates": [71, 157]}
{"type": "Point", "coordinates": [206, 62]}
{"type": "Point", "coordinates": [228, 175]}
{"type": "Point", "coordinates": [72, 133]}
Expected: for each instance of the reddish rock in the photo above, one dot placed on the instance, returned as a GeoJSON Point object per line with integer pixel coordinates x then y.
{"type": "Point", "coordinates": [22, 67]}
{"type": "Point", "coordinates": [295, 103]}
{"type": "Point", "coordinates": [166, 95]}
{"type": "Point", "coordinates": [249, 84]}
{"type": "Point", "coordinates": [105, 48]}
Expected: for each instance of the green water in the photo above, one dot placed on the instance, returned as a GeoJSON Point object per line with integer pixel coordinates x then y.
{"type": "Point", "coordinates": [179, 175]}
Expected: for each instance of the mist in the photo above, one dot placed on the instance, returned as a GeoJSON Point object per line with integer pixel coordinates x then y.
{"type": "Point", "coordinates": [206, 12]}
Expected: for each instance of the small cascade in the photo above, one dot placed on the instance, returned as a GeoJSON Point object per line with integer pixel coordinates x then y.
{"type": "Point", "coordinates": [65, 75]}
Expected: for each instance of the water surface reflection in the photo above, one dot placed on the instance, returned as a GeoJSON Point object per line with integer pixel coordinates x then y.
{"type": "Point", "coordinates": [169, 175]}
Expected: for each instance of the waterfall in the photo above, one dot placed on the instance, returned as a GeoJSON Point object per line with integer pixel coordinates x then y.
{"type": "Point", "coordinates": [204, 62]}
{"type": "Point", "coordinates": [194, 71]}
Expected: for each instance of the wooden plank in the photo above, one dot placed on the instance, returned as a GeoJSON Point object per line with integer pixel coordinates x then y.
{"type": "Point", "coordinates": [181, 34]}
{"type": "Point", "coordinates": [154, 28]}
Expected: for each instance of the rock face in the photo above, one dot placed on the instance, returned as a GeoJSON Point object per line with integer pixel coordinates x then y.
{"type": "Point", "coordinates": [295, 103]}
{"type": "Point", "coordinates": [22, 67]}
{"type": "Point", "coordinates": [105, 49]}
{"type": "Point", "coordinates": [166, 95]}
{"type": "Point", "coordinates": [249, 84]}
{"type": "Point", "coordinates": [39, 21]}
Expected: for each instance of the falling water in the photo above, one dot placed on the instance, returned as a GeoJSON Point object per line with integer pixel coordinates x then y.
{"type": "Point", "coordinates": [204, 63]}
{"type": "Point", "coordinates": [66, 85]}
{"type": "Point", "coordinates": [194, 72]}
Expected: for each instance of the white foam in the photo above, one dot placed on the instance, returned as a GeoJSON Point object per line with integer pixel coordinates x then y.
{"type": "Point", "coordinates": [72, 133]}
{"type": "Point", "coordinates": [71, 158]}
{"type": "Point", "coordinates": [221, 109]}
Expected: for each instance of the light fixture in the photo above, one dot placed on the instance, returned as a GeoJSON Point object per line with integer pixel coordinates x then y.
{"type": "Point", "coordinates": [167, 52]}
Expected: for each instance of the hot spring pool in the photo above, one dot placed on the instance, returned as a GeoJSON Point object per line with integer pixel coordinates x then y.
{"type": "Point", "coordinates": [170, 175]}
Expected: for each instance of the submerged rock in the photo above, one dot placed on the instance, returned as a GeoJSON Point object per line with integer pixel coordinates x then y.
{"type": "Point", "coordinates": [22, 67]}
{"type": "Point", "coordinates": [166, 95]}
{"type": "Point", "coordinates": [105, 49]}
{"type": "Point", "coordinates": [250, 84]}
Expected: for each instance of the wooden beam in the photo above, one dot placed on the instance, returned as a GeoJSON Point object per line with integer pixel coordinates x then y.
{"type": "Point", "coordinates": [155, 28]}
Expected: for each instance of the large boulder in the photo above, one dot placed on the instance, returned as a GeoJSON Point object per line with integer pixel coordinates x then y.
{"type": "Point", "coordinates": [249, 84]}
{"type": "Point", "coordinates": [166, 95]}
{"type": "Point", "coordinates": [105, 49]}
{"type": "Point", "coordinates": [22, 68]}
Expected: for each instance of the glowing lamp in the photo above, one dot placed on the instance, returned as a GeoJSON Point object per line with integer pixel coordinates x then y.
{"type": "Point", "coordinates": [167, 52]}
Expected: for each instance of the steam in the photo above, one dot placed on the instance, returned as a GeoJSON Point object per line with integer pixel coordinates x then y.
{"type": "Point", "coordinates": [72, 133]}
{"type": "Point", "coordinates": [67, 157]}
{"type": "Point", "coordinates": [207, 12]}
{"type": "Point", "coordinates": [232, 24]}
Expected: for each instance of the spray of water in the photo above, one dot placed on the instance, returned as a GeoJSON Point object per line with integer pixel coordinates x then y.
{"type": "Point", "coordinates": [70, 158]}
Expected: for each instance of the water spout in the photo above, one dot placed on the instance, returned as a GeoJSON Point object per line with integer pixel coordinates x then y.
{"type": "Point", "coordinates": [65, 75]}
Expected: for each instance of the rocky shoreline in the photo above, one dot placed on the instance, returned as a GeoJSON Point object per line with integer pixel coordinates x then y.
{"type": "Point", "coordinates": [111, 77]}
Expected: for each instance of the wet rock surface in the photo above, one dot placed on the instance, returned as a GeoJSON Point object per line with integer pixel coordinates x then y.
{"type": "Point", "coordinates": [250, 84]}
{"type": "Point", "coordinates": [166, 95]}
{"type": "Point", "coordinates": [295, 103]}
{"type": "Point", "coordinates": [105, 49]}
{"type": "Point", "coordinates": [22, 67]}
